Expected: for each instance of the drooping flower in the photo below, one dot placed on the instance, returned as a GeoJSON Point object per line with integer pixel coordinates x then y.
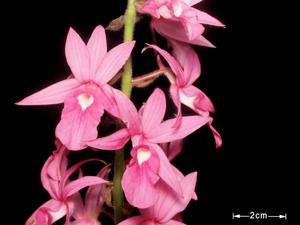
{"type": "Point", "coordinates": [178, 20]}
{"type": "Point", "coordinates": [186, 67]}
{"type": "Point", "coordinates": [149, 163]}
{"type": "Point", "coordinates": [84, 96]}
{"type": "Point", "coordinates": [55, 179]}
{"type": "Point", "coordinates": [87, 213]}
{"type": "Point", "coordinates": [167, 205]}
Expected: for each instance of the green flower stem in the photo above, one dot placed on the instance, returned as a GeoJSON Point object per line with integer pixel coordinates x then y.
{"type": "Point", "coordinates": [130, 16]}
{"type": "Point", "coordinates": [126, 87]}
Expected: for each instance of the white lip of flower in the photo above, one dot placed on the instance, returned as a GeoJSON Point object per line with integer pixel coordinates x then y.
{"type": "Point", "coordinates": [85, 100]}
{"type": "Point", "coordinates": [177, 10]}
{"type": "Point", "coordinates": [164, 11]}
{"type": "Point", "coordinates": [142, 156]}
{"type": "Point", "coordinates": [188, 100]}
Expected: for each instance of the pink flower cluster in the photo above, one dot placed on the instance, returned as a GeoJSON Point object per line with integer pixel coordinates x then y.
{"type": "Point", "coordinates": [150, 182]}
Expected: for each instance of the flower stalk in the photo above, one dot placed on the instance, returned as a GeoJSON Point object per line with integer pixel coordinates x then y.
{"type": "Point", "coordinates": [126, 87]}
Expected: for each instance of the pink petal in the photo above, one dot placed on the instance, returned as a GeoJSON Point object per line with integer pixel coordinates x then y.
{"type": "Point", "coordinates": [114, 141]}
{"type": "Point", "coordinates": [119, 105]}
{"type": "Point", "coordinates": [54, 169]}
{"type": "Point", "coordinates": [94, 195]}
{"type": "Point", "coordinates": [77, 124]}
{"type": "Point", "coordinates": [154, 110]}
{"type": "Point", "coordinates": [192, 30]}
{"type": "Point", "coordinates": [217, 136]}
{"type": "Point", "coordinates": [79, 209]}
{"type": "Point", "coordinates": [196, 99]}
{"type": "Point", "coordinates": [54, 94]}
{"type": "Point", "coordinates": [189, 60]}
{"type": "Point", "coordinates": [172, 149]}
{"type": "Point", "coordinates": [150, 7]}
{"type": "Point", "coordinates": [113, 62]}
{"type": "Point", "coordinates": [168, 204]}
{"type": "Point", "coordinates": [75, 167]}
{"type": "Point", "coordinates": [77, 56]}
{"type": "Point", "coordinates": [174, 91]}
{"type": "Point", "coordinates": [174, 30]}
{"type": "Point", "coordinates": [166, 132]}
{"type": "Point", "coordinates": [174, 65]}
{"type": "Point", "coordinates": [166, 171]}
{"type": "Point", "coordinates": [191, 2]}
{"type": "Point", "coordinates": [48, 213]}
{"type": "Point", "coordinates": [97, 48]}
{"type": "Point", "coordinates": [138, 188]}
{"type": "Point", "coordinates": [77, 185]}
{"type": "Point", "coordinates": [205, 18]}
{"type": "Point", "coordinates": [136, 220]}
{"type": "Point", "coordinates": [188, 185]}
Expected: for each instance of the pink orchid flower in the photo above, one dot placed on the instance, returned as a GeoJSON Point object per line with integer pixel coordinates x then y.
{"type": "Point", "coordinates": [85, 95]}
{"type": "Point", "coordinates": [55, 179]}
{"type": "Point", "coordinates": [178, 20]}
{"type": "Point", "coordinates": [88, 213]}
{"type": "Point", "coordinates": [167, 206]}
{"type": "Point", "coordinates": [186, 67]}
{"type": "Point", "coordinates": [149, 163]}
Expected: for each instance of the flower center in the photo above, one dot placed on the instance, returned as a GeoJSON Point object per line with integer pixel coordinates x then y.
{"type": "Point", "coordinates": [143, 156]}
{"type": "Point", "coordinates": [85, 100]}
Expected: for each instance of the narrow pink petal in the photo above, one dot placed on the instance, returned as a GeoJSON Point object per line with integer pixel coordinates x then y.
{"type": "Point", "coordinates": [136, 220]}
{"type": "Point", "coordinates": [166, 172]}
{"type": "Point", "coordinates": [97, 48]}
{"type": "Point", "coordinates": [166, 132]}
{"type": "Point", "coordinates": [94, 195]}
{"type": "Point", "coordinates": [54, 169]}
{"type": "Point", "coordinates": [77, 185]}
{"type": "Point", "coordinates": [154, 110]}
{"type": "Point", "coordinates": [174, 65]}
{"type": "Point", "coordinates": [174, 91]}
{"type": "Point", "coordinates": [180, 177]}
{"type": "Point", "coordinates": [192, 30]}
{"type": "Point", "coordinates": [54, 94]}
{"type": "Point", "coordinates": [174, 30]}
{"type": "Point", "coordinates": [205, 18]}
{"type": "Point", "coordinates": [48, 213]}
{"type": "Point", "coordinates": [138, 188]}
{"type": "Point", "coordinates": [77, 56]}
{"type": "Point", "coordinates": [168, 204]}
{"type": "Point", "coordinates": [172, 149]}
{"type": "Point", "coordinates": [75, 167]}
{"type": "Point", "coordinates": [79, 209]}
{"type": "Point", "coordinates": [189, 60]}
{"type": "Point", "coordinates": [188, 185]}
{"type": "Point", "coordinates": [114, 141]}
{"type": "Point", "coordinates": [119, 105]}
{"type": "Point", "coordinates": [78, 125]}
{"type": "Point", "coordinates": [113, 62]}
{"type": "Point", "coordinates": [217, 136]}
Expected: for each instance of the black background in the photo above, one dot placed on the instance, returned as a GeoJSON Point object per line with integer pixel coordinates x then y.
{"type": "Point", "coordinates": [245, 76]}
